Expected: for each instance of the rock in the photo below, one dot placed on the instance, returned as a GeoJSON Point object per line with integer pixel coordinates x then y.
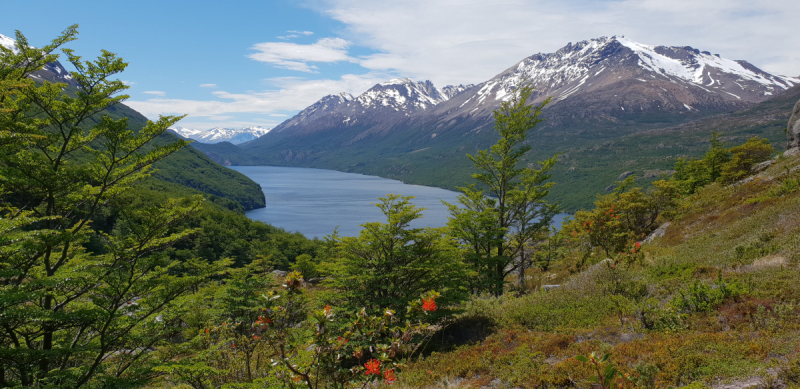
{"type": "Point", "coordinates": [762, 166]}
{"type": "Point", "coordinates": [610, 188]}
{"type": "Point", "coordinates": [793, 152]}
{"type": "Point", "coordinates": [659, 232]}
{"type": "Point", "coordinates": [280, 273]}
{"type": "Point", "coordinates": [548, 288]}
{"type": "Point", "coordinates": [624, 176]}
{"type": "Point", "coordinates": [793, 128]}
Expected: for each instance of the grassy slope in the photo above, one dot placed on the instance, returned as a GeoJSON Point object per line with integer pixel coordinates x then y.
{"type": "Point", "coordinates": [749, 235]}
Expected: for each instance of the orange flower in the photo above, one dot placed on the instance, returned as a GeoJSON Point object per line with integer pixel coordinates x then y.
{"type": "Point", "coordinates": [326, 309]}
{"type": "Point", "coordinates": [373, 366]}
{"type": "Point", "coordinates": [389, 376]}
{"type": "Point", "coordinates": [429, 304]}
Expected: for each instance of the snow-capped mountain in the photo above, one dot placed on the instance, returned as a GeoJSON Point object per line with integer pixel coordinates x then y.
{"type": "Point", "coordinates": [629, 75]}
{"type": "Point", "coordinates": [386, 102]}
{"type": "Point", "coordinates": [53, 71]}
{"type": "Point", "coordinates": [219, 134]}
{"type": "Point", "coordinates": [602, 88]}
{"type": "Point", "coordinates": [603, 78]}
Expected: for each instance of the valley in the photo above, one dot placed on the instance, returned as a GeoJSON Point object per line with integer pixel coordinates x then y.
{"type": "Point", "coordinates": [613, 102]}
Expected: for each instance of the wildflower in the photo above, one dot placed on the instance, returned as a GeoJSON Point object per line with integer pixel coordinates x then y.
{"type": "Point", "coordinates": [429, 304]}
{"type": "Point", "coordinates": [256, 337]}
{"type": "Point", "coordinates": [326, 309]}
{"type": "Point", "coordinates": [373, 366]}
{"type": "Point", "coordinates": [389, 376]}
{"type": "Point", "coordinates": [638, 245]}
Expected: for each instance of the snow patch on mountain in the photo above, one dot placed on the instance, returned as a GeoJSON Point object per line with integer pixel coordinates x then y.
{"type": "Point", "coordinates": [8, 43]}
{"type": "Point", "coordinates": [694, 67]}
{"type": "Point", "coordinates": [452, 90]}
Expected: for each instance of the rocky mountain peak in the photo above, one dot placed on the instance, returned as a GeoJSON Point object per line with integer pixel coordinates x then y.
{"type": "Point", "coordinates": [451, 90]}
{"type": "Point", "coordinates": [220, 134]}
{"type": "Point", "coordinates": [401, 94]}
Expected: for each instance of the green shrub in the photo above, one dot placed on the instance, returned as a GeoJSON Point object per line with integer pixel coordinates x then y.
{"type": "Point", "coordinates": [699, 297]}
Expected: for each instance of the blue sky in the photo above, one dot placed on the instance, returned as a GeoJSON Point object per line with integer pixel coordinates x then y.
{"type": "Point", "coordinates": [239, 63]}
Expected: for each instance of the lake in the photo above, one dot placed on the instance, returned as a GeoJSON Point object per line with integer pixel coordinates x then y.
{"type": "Point", "coordinates": [315, 201]}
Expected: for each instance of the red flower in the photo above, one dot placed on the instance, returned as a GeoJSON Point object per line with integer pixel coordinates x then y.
{"type": "Point", "coordinates": [389, 376]}
{"type": "Point", "coordinates": [373, 367]}
{"type": "Point", "coordinates": [638, 245]}
{"type": "Point", "coordinates": [428, 304]}
{"type": "Point", "coordinates": [264, 320]}
{"type": "Point", "coordinates": [326, 309]}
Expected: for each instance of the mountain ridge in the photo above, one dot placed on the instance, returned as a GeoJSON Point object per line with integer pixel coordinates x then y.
{"type": "Point", "coordinates": [221, 134]}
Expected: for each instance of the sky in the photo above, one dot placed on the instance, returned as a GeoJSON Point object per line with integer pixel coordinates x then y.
{"type": "Point", "coordinates": [257, 63]}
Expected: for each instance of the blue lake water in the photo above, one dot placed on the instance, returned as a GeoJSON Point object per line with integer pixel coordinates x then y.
{"type": "Point", "coordinates": [315, 201]}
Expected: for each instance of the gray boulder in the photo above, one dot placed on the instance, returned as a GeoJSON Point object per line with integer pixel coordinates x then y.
{"type": "Point", "coordinates": [793, 128]}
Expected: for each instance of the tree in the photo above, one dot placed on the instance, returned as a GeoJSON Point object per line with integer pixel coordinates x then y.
{"type": "Point", "coordinates": [73, 313]}
{"type": "Point", "coordinates": [391, 264]}
{"type": "Point", "coordinates": [716, 157]}
{"type": "Point", "coordinates": [497, 219]}
{"type": "Point", "coordinates": [755, 150]}
{"type": "Point", "coordinates": [693, 174]}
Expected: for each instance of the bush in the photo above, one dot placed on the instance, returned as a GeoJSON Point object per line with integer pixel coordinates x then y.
{"type": "Point", "coordinates": [755, 150]}
{"type": "Point", "coordinates": [699, 297]}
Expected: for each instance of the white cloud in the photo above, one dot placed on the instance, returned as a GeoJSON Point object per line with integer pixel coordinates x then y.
{"type": "Point", "coordinates": [155, 93]}
{"type": "Point", "coordinates": [295, 56]}
{"type": "Point", "coordinates": [451, 41]}
{"type": "Point", "coordinates": [208, 85]}
{"type": "Point", "coordinates": [289, 94]}
{"type": "Point", "coordinates": [300, 32]}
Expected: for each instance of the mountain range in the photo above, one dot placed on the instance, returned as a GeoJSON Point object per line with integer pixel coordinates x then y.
{"type": "Point", "coordinates": [219, 134]}
{"type": "Point", "coordinates": [599, 90]}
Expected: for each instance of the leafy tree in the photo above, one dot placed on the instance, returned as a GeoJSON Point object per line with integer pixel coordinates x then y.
{"type": "Point", "coordinates": [716, 157]}
{"type": "Point", "coordinates": [623, 217]}
{"type": "Point", "coordinates": [755, 150]}
{"type": "Point", "coordinates": [391, 264]}
{"type": "Point", "coordinates": [71, 313]}
{"type": "Point", "coordinates": [307, 266]}
{"type": "Point", "coordinates": [497, 219]}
